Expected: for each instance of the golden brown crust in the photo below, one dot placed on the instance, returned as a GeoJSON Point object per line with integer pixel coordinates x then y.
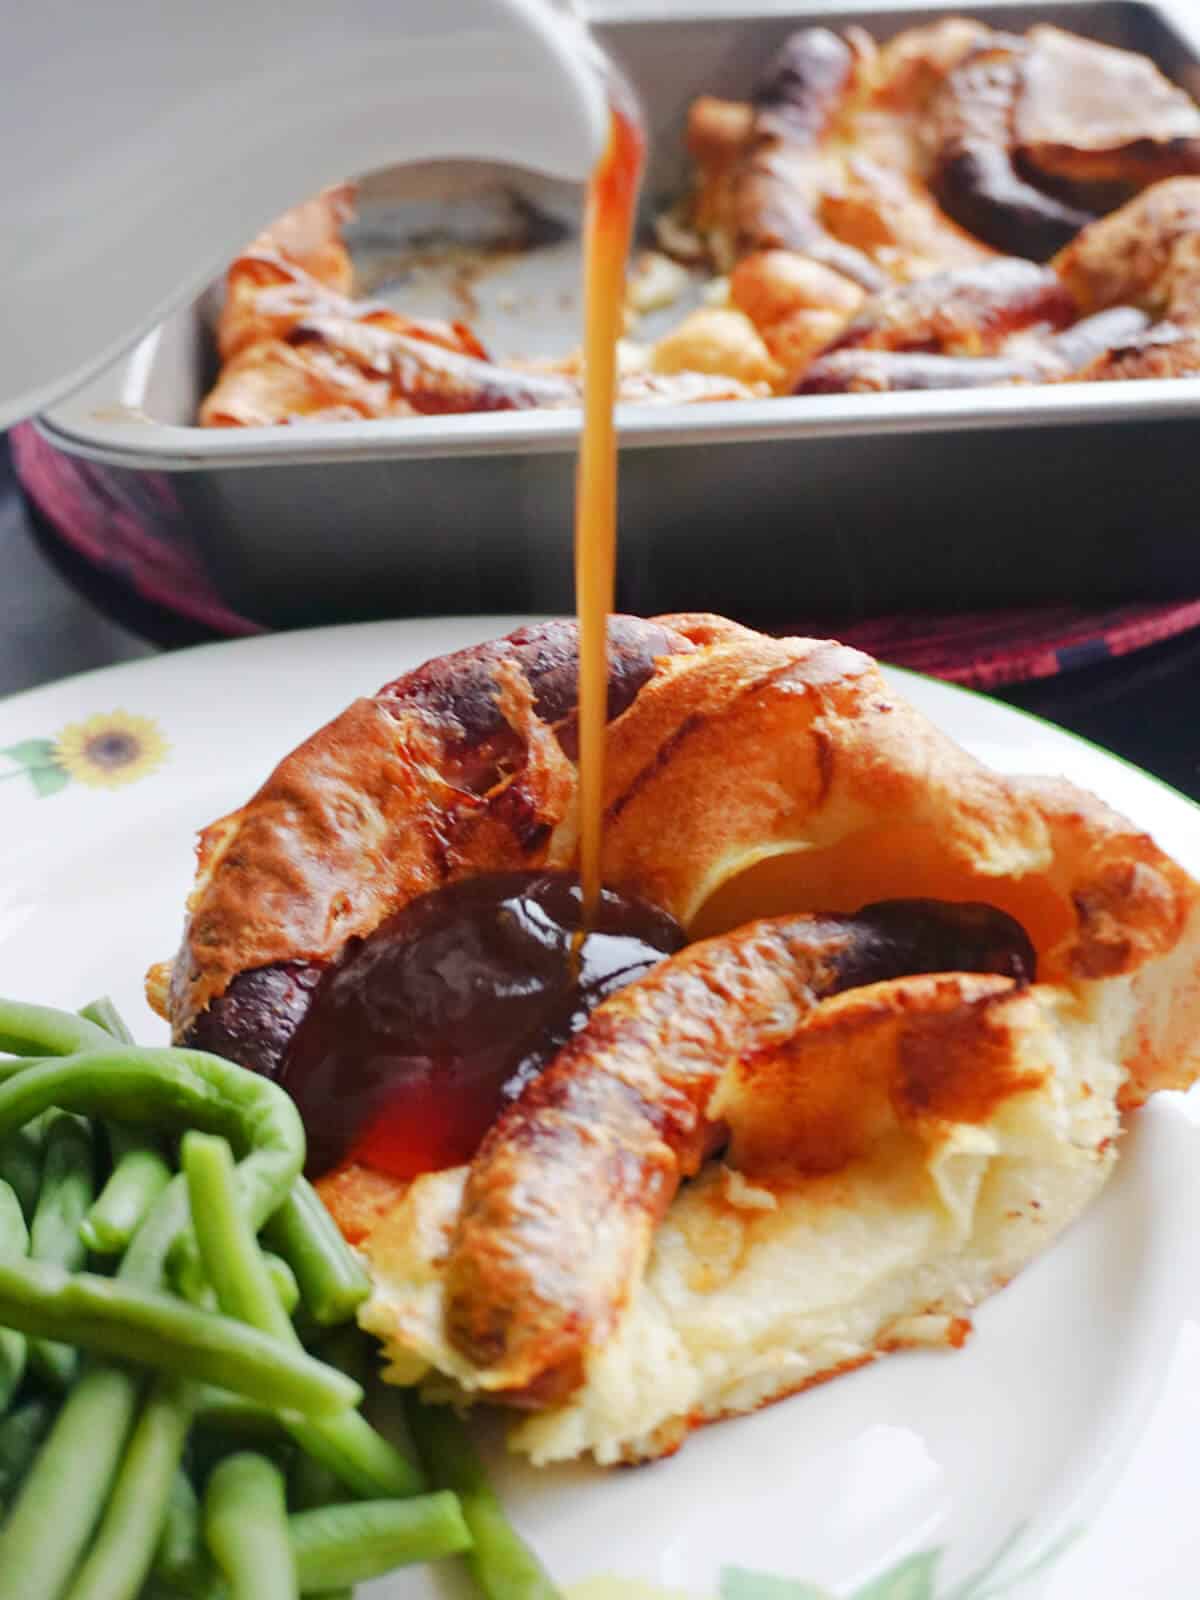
{"type": "Point", "coordinates": [933, 1047]}
{"type": "Point", "coordinates": [358, 1198]}
{"type": "Point", "coordinates": [1088, 112]}
{"type": "Point", "coordinates": [457, 768]}
{"type": "Point", "coordinates": [1146, 254]}
{"type": "Point", "coordinates": [1163, 351]}
{"type": "Point", "coordinates": [337, 362]}
{"type": "Point", "coordinates": [287, 265]}
{"type": "Point", "coordinates": [294, 345]}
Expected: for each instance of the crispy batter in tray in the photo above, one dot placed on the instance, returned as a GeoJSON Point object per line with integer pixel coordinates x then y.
{"type": "Point", "coordinates": [955, 208]}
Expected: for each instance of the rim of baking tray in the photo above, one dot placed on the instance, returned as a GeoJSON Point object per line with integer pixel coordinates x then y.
{"type": "Point", "coordinates": [87, 426]}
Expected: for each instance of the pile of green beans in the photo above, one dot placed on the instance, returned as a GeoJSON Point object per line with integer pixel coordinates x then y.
{"type": "Point", "coordinates": [179, 1402]}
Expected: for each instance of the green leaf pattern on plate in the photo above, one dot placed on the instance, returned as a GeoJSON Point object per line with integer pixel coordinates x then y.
{"type": "Point", "coordinates": [35, 758]}
{"type": "Point", "coordinates": [913, 1578]}
{"type": "Point", "coordinates": [738, 1584]}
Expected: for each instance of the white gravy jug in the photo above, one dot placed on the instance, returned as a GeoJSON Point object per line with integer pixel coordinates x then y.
{"type": "Point", "coordinates": [143, 142]}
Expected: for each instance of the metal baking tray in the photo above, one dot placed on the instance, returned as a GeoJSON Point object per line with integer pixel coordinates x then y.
{"type": "Point", "coordinates": [771, 509]}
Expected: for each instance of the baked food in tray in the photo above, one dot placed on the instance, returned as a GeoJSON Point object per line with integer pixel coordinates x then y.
{"type": "Point", "coordinates": [861, 184]}
{"type": "Point", "coordinates": [294, 346]}
{"type": "Point", "coordinates": [825, 1128]}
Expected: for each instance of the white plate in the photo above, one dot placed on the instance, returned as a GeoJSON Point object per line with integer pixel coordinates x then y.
{"type": "Point", "coordinates": [1075, 1408]}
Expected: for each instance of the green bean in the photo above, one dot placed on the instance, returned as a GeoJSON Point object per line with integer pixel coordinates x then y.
{"type": "Point", "coordinates": [245, 1523]}
{"type": "Point", "coordinates": [21, 1434]}
{"type": "Point", "coordinates": [65, 1490]}
{"type": "Point", "coordinates": [139, 1175]}
{"type": "Point", "coordinates": [145, 1261]}
{"type": "Point", "coordinates": [116, 1565]}
{"type": "Point", "coordinates": [125, 1084]}
{"type": "Point", "coordinates": [27, 1030]}
{"type": "Point", "coordinates": [332, 1282]}
{"type": "Point", "coordinates": [232, 1260]}
{"type": "Point", "coordinates": [188, 1280]}
{"type": "Point", "coordinates": [283, 1281]}
{"type": "Point", "coordinates": [233, 1416]}
{"type": "Point", "coordinates": [62, 1491]}
{"type": "Point", "coordinates": [140, 1172]}
{"type": "Point", "coordinates": [105, 1015]}
{"type": "Point", "coordinates": [502, 1564]}
{"type": "Point", "coordinates": [179, 1088]}
{"type": "Point", "coordinates": [181, 1562]}
{"type": "Point", "coordinates": [14, 1230]}
{"type": "Point", "coordinates": [21, 1166]}
{"type": "Point", "coordinates": [145, 1325]}
{"type": "Point", "coordinates": [349, 1350]}
{"type": "Point", "coordinates": [192, 1283]}
{"type": "Point", "coordinates": [66, 1193]}
{"type": "Point", "coordinates": [348, 1544]}
{"type": "Point", "coordinates": [310, 1484]}
{"type": "Point", "coordinates": [132, 1086]}
{"type": "Point", "coordinates": [14, 1243]}
{"type": "Point", "coordinates": [348, 1445]}
{"type": "Point", "coordinates": [174, 1088]}
{"type": "Point", "coordinates": [335, 1547]}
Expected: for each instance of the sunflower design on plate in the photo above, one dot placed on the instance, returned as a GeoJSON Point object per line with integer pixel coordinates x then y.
{"type": "Point", "coordinates": [105, 751]}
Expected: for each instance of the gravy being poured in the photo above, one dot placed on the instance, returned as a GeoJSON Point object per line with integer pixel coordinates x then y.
{"type": "Point", "coordinates": [608, 226]}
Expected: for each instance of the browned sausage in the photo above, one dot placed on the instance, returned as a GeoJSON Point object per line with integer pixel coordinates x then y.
{"type": "Point", "coordinates": [564, 1195]}
{"type": "Point", "coordinates": [1094, 347]}
{"type": "Point", "coordinates": [967, 311]}
{"type": "Point", "coordinates": [975, 178]}
{"type": "Point", "coordinates": [778, 187]}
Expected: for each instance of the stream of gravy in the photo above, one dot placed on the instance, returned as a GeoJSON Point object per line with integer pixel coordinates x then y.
{"type": "Point", "coordinates": [608, 226]}
{"type": "Point", "coordinates": [423, 1031]}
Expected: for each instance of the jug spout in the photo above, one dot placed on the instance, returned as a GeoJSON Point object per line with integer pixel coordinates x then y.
{"type": "Point", "coordinates": [142, 145]}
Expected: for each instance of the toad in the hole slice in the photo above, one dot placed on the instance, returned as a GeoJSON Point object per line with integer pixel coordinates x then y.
{"type": "Point", "coordinates": [746, 1172]}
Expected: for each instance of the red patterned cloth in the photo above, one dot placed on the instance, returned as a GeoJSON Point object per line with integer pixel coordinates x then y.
{"type": "Point", "coordinates": [991, 649]}
{"type": "Point", "coordinates": [128, 526]}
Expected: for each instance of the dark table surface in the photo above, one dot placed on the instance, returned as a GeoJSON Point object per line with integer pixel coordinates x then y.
{"type": "Point", "coordinates": [56, 620]}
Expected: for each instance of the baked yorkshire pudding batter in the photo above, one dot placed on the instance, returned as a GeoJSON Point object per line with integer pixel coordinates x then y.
{"type": "Point", "coordinates": [872, 216]}
{"type": "Point", "coordinates": [826, 1128]}
{"type": "Point", "coordinates": [879, 208]}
